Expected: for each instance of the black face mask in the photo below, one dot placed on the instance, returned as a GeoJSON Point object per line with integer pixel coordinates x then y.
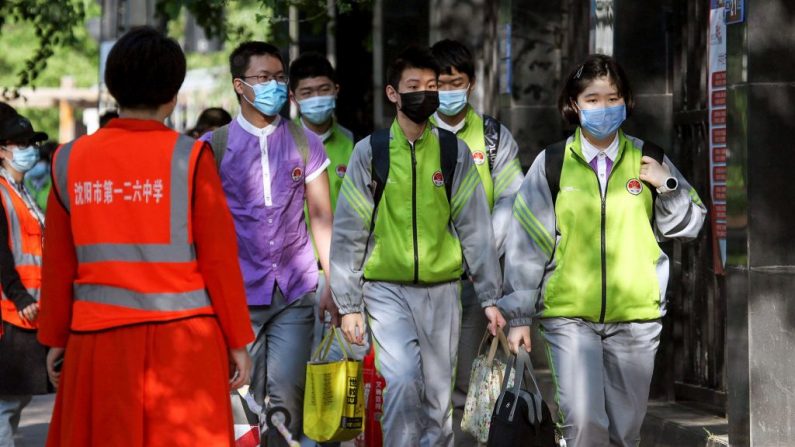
{"type": "Point", "coordinates": [419, 106]}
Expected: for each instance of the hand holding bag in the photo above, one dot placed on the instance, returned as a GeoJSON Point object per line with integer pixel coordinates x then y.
{"type": "Point", "coordinates": [334, 395]}
{"type": "Point", "coordinates": [485, 384]}
{"type": "Point", "coordinates": [521, 417]}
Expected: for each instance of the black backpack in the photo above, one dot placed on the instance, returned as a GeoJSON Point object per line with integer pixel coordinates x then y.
{"type": "Point", "coordinates": [491, 135]}
{"type": "Point", "coordinates": [379, 141]}
{"type": "Point", "coordinates": [554, 164]}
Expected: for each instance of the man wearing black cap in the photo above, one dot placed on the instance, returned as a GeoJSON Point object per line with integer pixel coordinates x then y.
{"type": "Point", "coordinates": [22, 358]}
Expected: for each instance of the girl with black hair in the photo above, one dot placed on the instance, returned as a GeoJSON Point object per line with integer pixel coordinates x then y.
{"type": "Point", "coordinates": [583, 256]}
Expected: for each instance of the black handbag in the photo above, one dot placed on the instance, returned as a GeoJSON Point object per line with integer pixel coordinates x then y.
{"type": "Point", "coordinates": [521, 418]}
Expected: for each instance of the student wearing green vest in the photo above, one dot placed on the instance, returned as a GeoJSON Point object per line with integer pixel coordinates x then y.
{"type": "Point", "coordinates": [314, 89]}
{"type": "Point", "coordinates": [495, 154]}
{"type": "Point", "coordinates": [583, 256]}
{"type": "Point", "coordinates": [402, 232]}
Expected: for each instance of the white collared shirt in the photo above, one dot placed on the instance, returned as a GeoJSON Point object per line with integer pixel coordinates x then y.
{"type": "Point", "coordinates": [323, 136]}
{"type": "Point", "coordinates": [443, 125]}
{"type": "Point", "coordinates": [589, 151]}
{"type": "Point", "coordinates": [262, 134]}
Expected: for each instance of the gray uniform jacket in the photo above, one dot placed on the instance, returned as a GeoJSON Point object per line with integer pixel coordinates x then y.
{"type": "Point", "coordinates": [678, 214]}
{"type": "Point", "coordinates": [349, 238]}
{"type": "Point", "coordinates": [506, 177]}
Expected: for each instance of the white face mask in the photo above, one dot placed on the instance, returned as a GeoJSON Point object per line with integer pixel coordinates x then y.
{"type": "Point", "coordinates": [23, 157]}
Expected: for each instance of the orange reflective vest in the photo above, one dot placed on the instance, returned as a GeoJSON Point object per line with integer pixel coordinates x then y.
{"type": "Point", "coordinates": [129, 201]}
{"type": "Point", "coordinates": [25, 241]}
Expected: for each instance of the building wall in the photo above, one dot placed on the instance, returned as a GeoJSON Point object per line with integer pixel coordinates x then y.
{"type": "Point", "coordinates": [762, 259]}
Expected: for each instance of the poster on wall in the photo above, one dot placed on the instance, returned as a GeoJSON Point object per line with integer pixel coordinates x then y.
{"type": "Point", "coordinates": [717, 130]}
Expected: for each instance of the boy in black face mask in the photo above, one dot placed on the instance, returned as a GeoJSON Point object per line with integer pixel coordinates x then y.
{"type": "Point", "coordinates": [412, 209]}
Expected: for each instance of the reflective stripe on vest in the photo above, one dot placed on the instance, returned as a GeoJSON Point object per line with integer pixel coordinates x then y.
{"type": "Point", "coordinates": [144, 301]}
{"type": "Point", "coordinates": [179, 250]}
{"type": "Point", "coordinates": [21, 259]}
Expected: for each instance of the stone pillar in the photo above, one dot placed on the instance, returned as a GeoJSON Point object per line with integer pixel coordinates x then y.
{"type": "Point", "coordinates": [761, 246]}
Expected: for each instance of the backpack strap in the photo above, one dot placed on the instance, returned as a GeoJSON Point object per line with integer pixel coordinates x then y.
{"type": "Point", "coordinates": [553, 164]}
{"type": "Point", "coordinates": [379, 142]}
{"type": "Point", "coordinates": [448, 156]}
{"type": "Point", "coordinates": [218, 142]}
{"type": "Point", "coordinates": [491, 133]}
{"type": "Point", "coordinates": [650, 149]}
{"type": "Point", "coordinates": [299, 137]}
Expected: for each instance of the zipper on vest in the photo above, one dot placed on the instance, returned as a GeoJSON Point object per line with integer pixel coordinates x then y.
{"type": "Point", "coordinates": [604, 247]}
{"type": "Point", "coordinates": [603, 231]}
{"type": "Point", "coordinates": [414, 213]}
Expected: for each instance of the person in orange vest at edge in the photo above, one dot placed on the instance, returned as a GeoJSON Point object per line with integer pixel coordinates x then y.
{"type": "Point", "coordinates": [142, 288]}
{"type": "Point", "coordinates": [22, 370]}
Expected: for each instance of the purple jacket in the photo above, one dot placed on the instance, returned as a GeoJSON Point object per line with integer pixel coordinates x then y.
{"type": "Point", "coordinates": [264, 177]}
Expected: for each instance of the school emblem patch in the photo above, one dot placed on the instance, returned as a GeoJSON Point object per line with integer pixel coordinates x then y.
{"type": "Point", "coordinates": [479, 157]}
{"type": "Point", "coordinates": [297, 173]}
{"type": "Point", "coordinates": [438, 178]}
{"type": "Point", "coordinates": [634, 186]}
{"type": "Point", "coordinates": [341, 169]}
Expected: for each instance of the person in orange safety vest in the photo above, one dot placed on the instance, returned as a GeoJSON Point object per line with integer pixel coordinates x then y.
{"type": "Point", "coordinates": [22, 358]}
{"type": "Point", "coordinates": [142, 296]}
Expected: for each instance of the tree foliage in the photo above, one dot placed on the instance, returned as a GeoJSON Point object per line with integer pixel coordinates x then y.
{"type": "Point", "coordinates": [54, 23]}
{"type": "Point", "coordinates": [57, 23]}
{"type": "Point", "coordinates": [210, 15]}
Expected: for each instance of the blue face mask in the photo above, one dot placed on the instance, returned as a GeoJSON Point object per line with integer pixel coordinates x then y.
{"type": "Point", "coordinates": [452, 101]}
{"type": "Point", "coordinates": [317, 109]}
{"type": "Point", "coordinates": [39, 172]}
{"type": "Point", "coordinates": [24, 158]}
{"type": "Point", "coordinates": [269, 97]}
{"type": "Point", "coordinates": [604, 121]}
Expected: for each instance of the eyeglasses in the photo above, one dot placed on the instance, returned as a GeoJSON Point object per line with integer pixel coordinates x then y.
{"type": "Point", "coordinates": [267, 77]}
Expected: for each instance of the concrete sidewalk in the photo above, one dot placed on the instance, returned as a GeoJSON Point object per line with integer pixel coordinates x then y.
{"type": "Point", "coordinates": [666, 424]}
{"type": "Point", "coordinates": [35, 421]}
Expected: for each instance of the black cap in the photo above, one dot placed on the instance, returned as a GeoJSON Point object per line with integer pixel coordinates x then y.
{"type": "Point", "coordinates": [18, 129]}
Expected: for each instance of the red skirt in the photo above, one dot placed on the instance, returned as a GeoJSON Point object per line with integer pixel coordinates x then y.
{"type": "Point", "coordinates": [164, 384]}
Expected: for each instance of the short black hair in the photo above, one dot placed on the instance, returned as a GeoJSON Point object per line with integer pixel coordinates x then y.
{"type": "Point", "coordinates": [145, 69]}
{"type": "Point", "coordinates": [411, 57]}
{"type": "Point", "coordinates": [454, 54]}
{"type": "Point", "coordinates": [241, 56]}
{"type": "Point", "coordinates": [211, 118]}
{"type": "Point", "coordinates": [595, 66]}
{"type": "Point", "coordinates": [310, 65]}
{"type": "Point", "coordinates": [105, 118]}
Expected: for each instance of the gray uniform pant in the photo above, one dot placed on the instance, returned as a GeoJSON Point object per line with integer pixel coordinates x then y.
{"type": "Point", "coordinates": [10, 412]}
{"type": "Point", "coordinates": [415, 330]}
{"type": "Point", "coordinates": [473, 326]}
{"type": "Point", "coordinates": [602, 373]}
{"type": "Point", "coordinates": [279, 353]}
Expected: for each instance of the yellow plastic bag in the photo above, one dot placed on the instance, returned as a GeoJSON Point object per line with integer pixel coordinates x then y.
{"type": "Point", "coordinates": [334, 394]}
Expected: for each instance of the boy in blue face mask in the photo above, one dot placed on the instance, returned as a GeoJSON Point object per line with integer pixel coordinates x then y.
{"type": "Point", "coordinates": [269, 168]}
{"type": "Point", "coordinates": [314, 89]}
{"type": "Point", "coordinates": [495, 154]}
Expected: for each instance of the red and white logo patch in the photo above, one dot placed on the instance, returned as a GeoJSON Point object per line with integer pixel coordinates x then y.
{"type": "Point", "coordinates": [297, 173]}
{"type": "Point", "coordinates": [479, 157]}
{"type": "Point", "coordinates": [438, 178]}
{"type": "Point", "coordinates": [634, 186]}
{"type": "Point", "coordinates": [341, 170]}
